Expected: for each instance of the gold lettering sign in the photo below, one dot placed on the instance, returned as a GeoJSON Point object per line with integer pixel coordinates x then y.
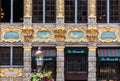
{"type": "Point", "coordinates": [11, 72]}
{"type": "Point", "coordinates": [107, 70]}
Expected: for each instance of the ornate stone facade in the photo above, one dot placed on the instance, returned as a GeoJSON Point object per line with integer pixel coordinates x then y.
{"type": "Point", "coordinates": [58, 35]}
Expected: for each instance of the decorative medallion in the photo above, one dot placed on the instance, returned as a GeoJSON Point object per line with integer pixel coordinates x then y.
{"type": "Point", "coordinates": [108, 34]}
{"type": "Point", "coordinates": [75, 34]}
{"type": "Point", "coordinates": [11, 72]}
{"type": "Point", "coordinates": [60, 33]}
{"type": "Point", "coordinates": [43, 35]}
{"type": "Point", "coordinates": [11, 34]}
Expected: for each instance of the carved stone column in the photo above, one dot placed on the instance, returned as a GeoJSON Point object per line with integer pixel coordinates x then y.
{"type": "Point", "coordinates": [92, 63]}
{"type": "Point", "coordinates": [92, 29]}
{"type": "Point", "coordinates": [60, 11]}
{"type": "Point", "coordinates": [27, 62]}
{"type": "Point", "coordinates": [27, 11]}
{"type": "Point", "coordinates": [60, 63]}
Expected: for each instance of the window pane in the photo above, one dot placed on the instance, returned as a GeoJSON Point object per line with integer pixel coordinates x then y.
{"type": "Point", "coordinates": [114, 11]}
{"type": "Point", "coordinates": [4, 56]}
{"type": "Point", "coordinates": [50, 11]}
{"type": "Point", "coordinates": [69, 11]}
{"type": "Point", "coordinates": [37, 11]}
{"type": "Point", "coordinates": [18, 11]}
{"type": "Point", "coordinates": [17, 56]}
{"type": "Point", "coordinates": [5, 5]}
{"type": "Point", "coordinates": [101, 11]}
{"type": "Point", "coordinates": [82, 11]}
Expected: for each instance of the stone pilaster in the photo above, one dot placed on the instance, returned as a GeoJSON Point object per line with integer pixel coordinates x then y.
{"type": "Point", "coordinates": [27, 62]}
{"type": "Point", "coordinates": [60, 11]}
{"type": "Point", "coordinates": [92, 29]}
{"type": "Point", "coordinates": [60, 63]}
{"type": "Point", "coordinates": [27, 11]}
{"type": "Point", "coordinates": [92, 63]}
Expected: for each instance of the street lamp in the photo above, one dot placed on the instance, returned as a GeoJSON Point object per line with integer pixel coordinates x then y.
{"type": "Point", "coordinates": [39, 59]}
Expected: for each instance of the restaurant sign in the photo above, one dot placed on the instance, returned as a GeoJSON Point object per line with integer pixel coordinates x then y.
{"type": "Point", "coordinates": [109, 59]}
{"type": "Point", "coordinates": [76, 50]}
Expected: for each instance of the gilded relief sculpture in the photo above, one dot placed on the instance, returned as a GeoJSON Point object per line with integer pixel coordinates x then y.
{"type": "Point", "coordinates": [28, 31]}
{"type": "Point", "coordinates": [11, 72]}
{"type": "Point", "coordinates": [92, 33]}
{"type": "Point", "coordinates": [60, 8]}
{"type": "Point", "coordinates": [27, 8]}
{"type": "Point", "coordinates": [92, 8]}
{"type": "Point", "coordinates": [60, 33]}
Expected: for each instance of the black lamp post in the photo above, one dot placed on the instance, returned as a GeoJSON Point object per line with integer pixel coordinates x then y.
{"type": "Point", "coordinates": [39, 59]}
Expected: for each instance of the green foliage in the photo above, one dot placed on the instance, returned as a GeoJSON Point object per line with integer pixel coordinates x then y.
{"type": "Point", "coordinates": [36, 78]}
{"type": "Point", "coordinates": [48, 75]}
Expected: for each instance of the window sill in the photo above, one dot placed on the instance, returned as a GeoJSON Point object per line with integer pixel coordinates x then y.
{"type": "Point", "coordinates": [13, 66]}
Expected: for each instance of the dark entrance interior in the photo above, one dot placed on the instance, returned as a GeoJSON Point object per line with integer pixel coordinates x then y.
{"type": "Point", "coordinates": [76, 64]}
{"type": "Point", "coordinates": [50, 66]}
{"type": "Point", "coordinates": [108, 71]}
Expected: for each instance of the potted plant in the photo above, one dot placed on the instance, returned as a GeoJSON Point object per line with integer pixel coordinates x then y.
{"type": "Point", "coordinates": [41, 76]}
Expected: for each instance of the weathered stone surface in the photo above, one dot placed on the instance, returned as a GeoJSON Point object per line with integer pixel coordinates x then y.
{"type": "Point", "coordinates": [92, 59]}
{"type": "Point", "coordinates": [27, 59]}
{"type": "Point", "coordinates": [92, 65]}
{"type": "Point", "coordinates": [92, 79]}
{"type": "Point", "coordinates": [27, 53]}
{"type": "Point", "coordinates": [27, 69]}
{"type": "Point", "coordinates": [60, 59]}
{"type": "Point", "coordinates": [91, 69]}
{"type": "Point", "coordinates": [91, 75]}
{"type": "Point", "coordinates": [27, 64]}
{"type": "Point", "coordinates": [60, 64]}
{"type": "Point", "coordinates": [92, 54]}
{"type": "Point", "coordinates": [60, 54]}
{"type": "Point", "coordinates": [60, 79]}
{"type": "Point", "coordinates": [60, 75]}
{"type": "Point", "coordinates": [11, 79]}
{"type": "Point", "coordinates": [60, 70]}
{"type": "Point", "coordinates": [60, 20]}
